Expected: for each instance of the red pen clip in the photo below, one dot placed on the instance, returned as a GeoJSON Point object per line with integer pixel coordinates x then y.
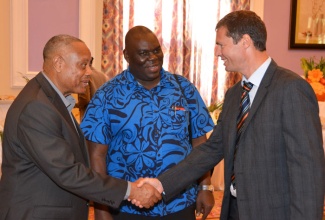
{"type": "Point", "coordinates": [179, 108]}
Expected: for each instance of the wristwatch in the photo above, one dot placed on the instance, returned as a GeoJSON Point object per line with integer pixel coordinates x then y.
{"type": "Point", "coordinates": [206, 187]}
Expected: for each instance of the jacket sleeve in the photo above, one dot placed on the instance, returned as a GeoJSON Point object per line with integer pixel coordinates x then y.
{"type": "Point", "coordinates": [202, 159]}
{"type": "Point", "coordinates": [304, 151]}
{"type": "Point", "coordinates": [54, 146]}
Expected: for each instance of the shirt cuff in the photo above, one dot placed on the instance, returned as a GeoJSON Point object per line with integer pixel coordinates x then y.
{"type": "Point", "coordinates": [127, 194]}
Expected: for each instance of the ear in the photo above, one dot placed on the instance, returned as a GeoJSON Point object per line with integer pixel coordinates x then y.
{"type": "Point", "coordinates": [57, 63]}
{"type": "Point", "coordinates": [246, 40]}
{"type": "Point", "coordinates": [126, 55]}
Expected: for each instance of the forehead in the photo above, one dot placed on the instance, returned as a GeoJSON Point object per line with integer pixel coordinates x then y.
{"type": "Point", "coordinates": [222, 38]}
{"type": "Point", "coordinates": [145, 42]}
{"type": "Point", "coordinates": [78, 49]}
{"type": "Point", "coordinates": [222, 33]}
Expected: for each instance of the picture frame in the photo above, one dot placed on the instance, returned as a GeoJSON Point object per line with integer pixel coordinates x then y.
{"type": "Point", "coordinates": [307, 24]}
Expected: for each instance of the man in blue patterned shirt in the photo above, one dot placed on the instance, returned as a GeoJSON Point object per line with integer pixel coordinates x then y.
{"type": "Point", "coordinates": [143, 122]}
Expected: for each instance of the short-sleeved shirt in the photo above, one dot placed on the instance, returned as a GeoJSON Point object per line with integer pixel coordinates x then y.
{"type": "Point", "coordinates": [147, 131]}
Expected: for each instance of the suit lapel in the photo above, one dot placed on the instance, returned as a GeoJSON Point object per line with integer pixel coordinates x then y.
{"type": "Point", "coordinates": [233, 111]}
{"type": "Point", "coordinates": [54, 97]}
{"type": "Point", "coordinates": [261, 93]}
{"type": "Point", "coordinates": [82, 143]}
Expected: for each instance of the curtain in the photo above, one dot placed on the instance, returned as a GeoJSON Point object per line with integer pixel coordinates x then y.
{"type": "Point", "coordinates": [112, 38]}
{"type": "Point", "coordinates": [186, 32]}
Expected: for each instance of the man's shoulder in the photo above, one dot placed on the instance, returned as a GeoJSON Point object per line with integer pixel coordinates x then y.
{"type": "Point", "coordinates": [124, 77]}
{"type": "Point", "coordinates": [179, 79]}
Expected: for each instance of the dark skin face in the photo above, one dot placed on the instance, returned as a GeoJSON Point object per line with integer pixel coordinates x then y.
{"type": "Point", "coordinates": [144, 55]}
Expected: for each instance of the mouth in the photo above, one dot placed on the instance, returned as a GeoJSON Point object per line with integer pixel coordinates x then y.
{"type": "Point", "coordinates": [224, 61]}
{"type": "Point", "coordinates": [154, 68]}
{"type": "Point", "coordinates": [85, 83]}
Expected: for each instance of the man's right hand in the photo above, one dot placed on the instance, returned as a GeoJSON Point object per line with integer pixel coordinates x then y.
{"type": "Point", "coordinates": [152, 181]}
{"type": "Point", "coordinates": [144, 196]}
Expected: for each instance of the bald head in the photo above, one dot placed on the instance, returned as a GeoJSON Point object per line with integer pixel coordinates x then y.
{"type": "Point", "coordinates": [56, 44]}
{"type": "Point", "coordinates": [67, 63]}
{"type": "Point", "coordinates": [136, 34]}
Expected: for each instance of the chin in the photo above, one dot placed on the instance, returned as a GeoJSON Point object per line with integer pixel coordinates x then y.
{"type": "Point", "coordinates": [81, 91]}
{"type": "Point", "coordinates": [229, 69]}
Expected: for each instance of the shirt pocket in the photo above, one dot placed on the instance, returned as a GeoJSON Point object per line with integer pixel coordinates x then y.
{"type": "Point", "coordinates": [180, 119]}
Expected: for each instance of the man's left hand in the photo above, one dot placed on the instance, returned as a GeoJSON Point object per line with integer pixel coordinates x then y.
{"type": "Point", "coordinates": [204, 203]}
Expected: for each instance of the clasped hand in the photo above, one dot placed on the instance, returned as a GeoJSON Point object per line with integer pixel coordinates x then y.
{"type": "Point", "coordinates": [145, 192]}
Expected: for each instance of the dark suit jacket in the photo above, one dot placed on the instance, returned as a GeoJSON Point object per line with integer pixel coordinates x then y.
{"type": "Point", "coordinates": [279, 164]}
{"type": "Point", "coordinates": [45, 166]}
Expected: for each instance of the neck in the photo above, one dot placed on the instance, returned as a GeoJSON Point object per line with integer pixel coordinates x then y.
{"type": "Point", "coordinates": [254, 63]}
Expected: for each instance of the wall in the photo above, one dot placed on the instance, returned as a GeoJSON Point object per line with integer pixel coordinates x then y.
{"type": "Point", "coordinates": [276, 16]}
{"type": "Point", "coordinates": [5, 49]}
{"type": "Point", "coordinates": [277, 21]}
{"type": "Point", "coordinates": [40, 30]}
{"type": "Point", "coordinates": [95, 23]}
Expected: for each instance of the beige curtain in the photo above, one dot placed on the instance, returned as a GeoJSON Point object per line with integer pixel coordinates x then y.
{"type": "Point", "coordinates": [186, 31]}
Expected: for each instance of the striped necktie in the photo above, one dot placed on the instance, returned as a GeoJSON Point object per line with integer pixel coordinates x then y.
{"type": "Point", "coordinates": [244, 110]}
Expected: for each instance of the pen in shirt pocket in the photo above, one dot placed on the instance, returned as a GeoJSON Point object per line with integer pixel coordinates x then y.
{"type": "Point", "coordinates": [178, 108]}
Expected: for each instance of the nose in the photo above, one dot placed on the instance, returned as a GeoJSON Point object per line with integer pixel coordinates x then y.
{"type": "Point", "coordinates": [89, 70]}
{"type": "Point", "coordinates": [217, 50]}
{"type": "Point", "coordinates": [152, 55]}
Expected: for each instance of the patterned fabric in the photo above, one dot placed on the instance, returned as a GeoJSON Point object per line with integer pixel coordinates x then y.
{"type": "Point", "coordinates": [147, 130]}
{"type": "Point", "coordinates": [243, 113]}
{"type": "Point", "coordinates": [244, 108]}
{"type": "Point", "coordinates": [187, 51]}
{"type": "Point", "coordinates": [112, 46]}
{"type": "Point", "coordinates": [182, 49]}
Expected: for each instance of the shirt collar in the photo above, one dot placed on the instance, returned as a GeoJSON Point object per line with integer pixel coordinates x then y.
{"type": "Point", "coordinates": [68, 101]}
{"type": "Point", "coordinates": [131, 79]}
{"type": "Point", "coordinates": [258, 75]}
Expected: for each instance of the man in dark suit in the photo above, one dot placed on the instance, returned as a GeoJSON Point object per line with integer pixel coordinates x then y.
{"type": "Point", "coordinates": [45, 170]}
{"type": "Point", "coordinates": [275, 168]}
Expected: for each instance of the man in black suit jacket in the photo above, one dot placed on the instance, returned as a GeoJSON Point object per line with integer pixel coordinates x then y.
{"type": "Point", "coordinates": [279, 163]}
{"type": "Point", "coordinates": [45, 170]}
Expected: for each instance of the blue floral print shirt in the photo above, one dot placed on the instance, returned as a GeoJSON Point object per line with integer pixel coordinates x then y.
{"type": "Point", "coordinates": [147, 131]}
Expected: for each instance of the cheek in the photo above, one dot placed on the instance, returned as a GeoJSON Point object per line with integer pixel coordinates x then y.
{"type": "Point", "coordinates": [231, 53]}
{"type": "Point", "coordinates": [140, 61]}
{"type": "Point", "coordinates": [74, 80]}
{"type": "Point", "coordinates": [77, 75]}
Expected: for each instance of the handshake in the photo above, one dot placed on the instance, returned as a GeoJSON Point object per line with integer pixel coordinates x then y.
{"type": "Point", "coordinates": [145, 192]}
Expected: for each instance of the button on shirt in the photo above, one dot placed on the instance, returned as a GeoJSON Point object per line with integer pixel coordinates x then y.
{"type": "Point", "coordinates": [146, 131]}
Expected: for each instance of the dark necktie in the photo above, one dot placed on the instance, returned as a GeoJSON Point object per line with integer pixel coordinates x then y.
{"type": "Point", "coordinates": [244, 110]}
